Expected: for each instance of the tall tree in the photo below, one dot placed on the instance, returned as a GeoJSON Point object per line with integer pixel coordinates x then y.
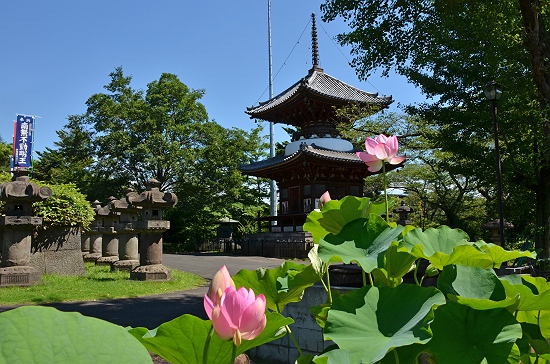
{"type": "Point", "coordinates": [73, 160]}
{"type": "Point", "coordinates": [450, 49]}
{"type": "Point", "coordinates": [214, 188]}
{"type": "Point", "coordinates": [128, 136]}
{"type": "Point", "coordinates": [142, 135]}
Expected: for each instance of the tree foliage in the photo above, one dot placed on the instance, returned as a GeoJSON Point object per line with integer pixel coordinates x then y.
{"type": "Point", "coordinates": [129, 136]}
{"type": "Point", "coordinates": [450, 50]}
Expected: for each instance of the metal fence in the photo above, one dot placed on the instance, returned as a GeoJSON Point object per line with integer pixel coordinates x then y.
{"type": "Point", "coordinates": [271, 248]}
{"type": "Point", "coordinates": [284, 249]}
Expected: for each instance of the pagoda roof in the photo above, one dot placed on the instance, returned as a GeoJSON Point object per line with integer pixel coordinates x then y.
{"type": "Point", "coordinates": [319, 86]}
{"type": "Point", "coordinates": [268, 168]}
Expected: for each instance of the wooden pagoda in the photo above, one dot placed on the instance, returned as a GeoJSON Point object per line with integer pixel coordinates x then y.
{"type": "Point", "coordinates": [317, 159]}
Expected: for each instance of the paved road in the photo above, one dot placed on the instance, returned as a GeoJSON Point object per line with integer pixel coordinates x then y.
{"type": "Point", "coordinates": [151, 311]}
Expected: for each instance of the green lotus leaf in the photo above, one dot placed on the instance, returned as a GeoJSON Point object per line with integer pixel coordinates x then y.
{"type": "Point", "coordinates": [462, 334]}
{"type": "Point", "coordinates": [398, 262]}
{"type": "Point", "coordinates": [382, 317]}
{"type": "Point", "coordinates": [280, 285]}
{"type": "Point", "coordinates": [36, 334]}
{"type": "Point", "coordinates": [534, 292]}
{"type": "Point", "coordinates": [337, 213]}
{"type": "Point", "coordinates": [444, 246]}
{"type": "Point", "coordinates": [183, 339]}
{"type": "Point", "coordinates": [305, 359]}
{"type": "Point", "coordinates": [364, 241]}
{"type": "Point", "coordinates": [533, 343]}
{"type": "Point", "coordinates": [336, 356]}
{"type": "Point", "coordinates": [510, 303]}
{"type": "Point", "coordinates": [499, 255]}
{"type": "Point", "coordinates": [471, 282]}
{"type": "Point", "coordinates": [432, 241]}
{"type": "Point", "coordinates": [405, 354]}
{"type": "Point", "coordinates": [539, 318]}
{"type": "Point", "coordinates": [318, 265]}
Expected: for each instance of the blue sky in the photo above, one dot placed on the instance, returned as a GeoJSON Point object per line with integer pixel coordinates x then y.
{"type": "Point", "coordinates": [57, 53]}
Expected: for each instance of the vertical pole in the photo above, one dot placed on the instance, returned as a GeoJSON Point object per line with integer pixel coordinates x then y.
{"type": "Point", "coordinates": [273, 187]}
{"type": "Point", "coordinates": [499, 174]}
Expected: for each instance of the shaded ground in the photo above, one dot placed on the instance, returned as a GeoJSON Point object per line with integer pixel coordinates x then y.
{"type": "Point", "coordinates": [152, 311]}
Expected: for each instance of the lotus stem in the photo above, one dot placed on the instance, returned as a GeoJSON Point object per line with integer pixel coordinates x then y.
{"type": "Point", "coordinates": [290, 334]}
{"type": "Point", "coordinates": [329, 288]}
{"type": "Point", "coordinates": [207, 344]}
{"type": "Point", "coordinates": [416, 272]}
{"type": "Point", "coordinates": [396, 356]}
{"type": "Point", "coordinates": [386, 192]}
{"type": "Point", "coordinates": [233, 354]}
{"type": "Point", "coordinates": [364, 275]}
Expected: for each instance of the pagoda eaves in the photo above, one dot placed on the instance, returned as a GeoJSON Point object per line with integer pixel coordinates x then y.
{"type": "Point", "coordinates": [314, 99]}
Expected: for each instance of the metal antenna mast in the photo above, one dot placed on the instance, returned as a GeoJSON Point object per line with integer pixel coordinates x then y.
{"type": "Point", "coordinates": [273, 189]}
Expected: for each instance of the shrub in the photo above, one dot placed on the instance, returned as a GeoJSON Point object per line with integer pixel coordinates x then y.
{"type": "Point", "coordinates": [66, 207]}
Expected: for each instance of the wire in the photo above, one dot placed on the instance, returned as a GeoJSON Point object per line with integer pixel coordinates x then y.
{"type": "Point", "coordinates": [345, 57]}
{"type": "Point", "coordinates": [286, 59]}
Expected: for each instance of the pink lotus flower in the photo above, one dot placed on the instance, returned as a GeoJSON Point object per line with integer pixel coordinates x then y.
{"type": "Point", "coordinates": [380, 150]}
{"type": "Point", "coordinates": [325, 197]}
{"type": "Point", "coordinates": [221, 281]}
{"type": "Point", "coordinates": [240, 315]}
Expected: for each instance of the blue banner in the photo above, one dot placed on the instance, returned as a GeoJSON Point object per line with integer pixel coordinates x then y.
{"type": "Point", "coordinates": [22, 141]}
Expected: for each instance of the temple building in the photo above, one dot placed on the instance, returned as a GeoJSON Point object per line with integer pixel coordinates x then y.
{"type": "Point", "coordinates": [316, 159]}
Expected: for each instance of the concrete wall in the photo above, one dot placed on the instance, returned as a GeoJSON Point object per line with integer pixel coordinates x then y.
{"type": "Point", "coordinates": [58, 251]}
{"type": "Point", "coordinates": [305, 329]}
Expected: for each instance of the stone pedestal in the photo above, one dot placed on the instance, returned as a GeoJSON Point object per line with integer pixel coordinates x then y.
{"type": "Point", "coordinates": [85, 243]}
{"type": "Point", "coordinates": [109, 240]}
{"type": "Point", "coordinates": [17, 228]}
{"type": "Point", "coordinates": [16, 251]}
{"type": "Point", "coordinates": [150, 255]}
{"type": "Point", "coordinates": [128, 252]}
{"type": "Point", "coordinates": [96, 238]}
{"type": "Point", "coordinates": [109, 247]}
{"type": "Point", "coordinates": [151, 227]}
{"type": "Point", "coordinates": [96, 242]}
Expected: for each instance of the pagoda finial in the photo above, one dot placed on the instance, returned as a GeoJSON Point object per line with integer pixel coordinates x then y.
{"type": "Point", "coordinates": [314, 45]}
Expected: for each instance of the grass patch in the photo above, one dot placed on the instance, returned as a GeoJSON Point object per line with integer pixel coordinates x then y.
{"type": "Point", "coordinates": [98, 284]}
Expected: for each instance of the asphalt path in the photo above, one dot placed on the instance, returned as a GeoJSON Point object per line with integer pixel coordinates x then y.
{"type": "Point", "coordinates": [151, 311]}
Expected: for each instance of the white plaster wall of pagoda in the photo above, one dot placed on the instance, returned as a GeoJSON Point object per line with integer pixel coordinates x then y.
{"type": "Point", "coordinates": [336, 144]}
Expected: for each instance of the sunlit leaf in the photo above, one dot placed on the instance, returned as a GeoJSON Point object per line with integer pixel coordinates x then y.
{"type": "Point", "coordinates": [462, 334]}
{"type": "Point", "coordinates": [524, 286]}
{"type": "Point", "coordinates": [36, 334]}
{"type": "Point", "coordinates": [280, 285]}
{"type": "Point", "coordinates": [444, 246]}
{"type": "Point", "coordinates": [364, 241]}
{"type": "Point", "coordinates": [382, 317]}
{"type": "Point", "coordinates": [183, 339]}
{"type": "Point", "coordinates": [337, 213]}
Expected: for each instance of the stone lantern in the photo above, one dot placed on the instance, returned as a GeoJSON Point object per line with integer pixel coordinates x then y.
{"type": "Point", "coordinates": [494, 227]}
{"type": "Point", "coordinates": [403, 211]}
{"type": "Point", "coordinates": [109, 239]}
{"type": "Point", "coordinates": [17, 229]}
{"type": "Point", "coordinates": [151, 227]}
{"type": "Point", "coordinates": [94, 236]}
{"type": "Point", "coordinates": [128, 253]}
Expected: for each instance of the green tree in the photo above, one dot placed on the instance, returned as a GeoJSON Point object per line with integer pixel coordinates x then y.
{"type": "Point", "coordinates": [128, 136]}
{"type": "Point", "coordinates": [142, 135]}
{"type": "Point", "coordinates": [450, 50]}
{"type": "Point", "coordinates": [73, 160]}
{"type": "Point", "coordinates": [213, 187]}
{"type": "Point", "coordinates": [6, 151]}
